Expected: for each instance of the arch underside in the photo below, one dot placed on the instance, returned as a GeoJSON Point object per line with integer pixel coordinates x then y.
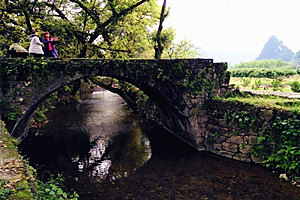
{"type": "Point", "coordinates": [170, 117]}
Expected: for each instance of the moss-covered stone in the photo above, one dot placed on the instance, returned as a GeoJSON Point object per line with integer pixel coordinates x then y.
{"type": "Point", "coordinates": [14, 175]}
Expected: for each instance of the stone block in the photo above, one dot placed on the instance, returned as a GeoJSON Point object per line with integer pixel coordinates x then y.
{"type": "Point", "coordinates": [251, 132]}
{"type": "Point", "coordinates": [220, 139]}
{"type": "Point", "coordinates": [256, 160]}
{"type": "Point", "coordinates": [266, 125]}
{"type": "Point", "coordinates": [235, 139]}
{"type": "Point", "coordinates": [202, 120]}
{"type": "Point", "coordinates": [202, 113]}
{"type": "Point", "coordinates": [231, 147]}
{"type": "Point", "coordinates": [242, 157]}
{"type": "Point", "coordinates": [223, 123]}
{"type": "Point", "coordinates": [226, 154]}
{"type": "Point", "coordinates": [260, 133]}
{"type": "Point", "coordinates": [198, 132]}
{"type": "Point", "coordinates": [245, 149]}
{"type": "Point", "coordinates": [250, 139]}
{"type": "Point", "coordinates": [200, 141]}
{"type": "Point", "coordinates": [213, 128]}
{"type": "Point", "coordinates": [265, 115]}
{"type": "Point", "coordinates": [217, 146]}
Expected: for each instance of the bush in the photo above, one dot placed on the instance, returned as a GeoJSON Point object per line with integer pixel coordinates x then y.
{"type": "Point", "coordinates": [246, 82]}
{"type": "Point", "coordinates": [262, 73]}
{"type": "Point", "coordinates": [52, 190]}
{"type": "Point", "coordinates": [295, 86]}
{"type": "Point", "coordinates": [276, 84]}
{"type": "Point", "coordinates": [257, 84]}
{"type": "Point", "coordinates": [5, 192]}
{"type": "Point", "coordinates": [279, 145]}
{"type": "Point", "coordinates": [264, 64]}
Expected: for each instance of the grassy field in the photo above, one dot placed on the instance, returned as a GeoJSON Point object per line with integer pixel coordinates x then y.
{"type": "Point", "coordinates": [268, 101]}
{"type": "Point", "coordinates": [266, 86]}
{"type": "Point", "coordinates": [282, 84]}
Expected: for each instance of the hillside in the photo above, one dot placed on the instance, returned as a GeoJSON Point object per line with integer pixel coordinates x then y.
{"type": "Point", "coordinates": [275, 49]}
{"type": "Point", "coordinates": [296, 59]}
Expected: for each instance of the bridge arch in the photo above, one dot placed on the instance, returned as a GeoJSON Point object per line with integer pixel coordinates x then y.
{"type": "Point", "coordinates": [174, 86]}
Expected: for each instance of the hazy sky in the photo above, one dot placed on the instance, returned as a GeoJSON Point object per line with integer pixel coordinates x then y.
{"type": "Point", "coordinates": [235, 30]}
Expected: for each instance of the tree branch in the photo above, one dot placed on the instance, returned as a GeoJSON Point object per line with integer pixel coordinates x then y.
{"type": "Point", "coordinates": [113, 19]}
{"type": "Point", "coordinates": [59, 12]}
{"type": "Point", "coordinates": [109, 49]}
{"type": "Point", "coordinates": [93, 15]}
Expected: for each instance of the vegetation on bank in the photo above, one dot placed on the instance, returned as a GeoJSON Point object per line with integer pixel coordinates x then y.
{"type": "Point", "coordinates": [278, 141]}
{"type": "Point", "coordinates": [276, 75]}
{"type": "Point", "coordinates": [263, 73]}
{"type": "Point", "coordinates": [279, 145]}
{"type": "Point", "coordinates": [270, 101]}
{"type": "Point", "coordinates": [285, 84]}
{"type": "Point", "coordinates": [18, 179]}
{"type": "Point", "coordinates": [272, 69]}
{"type": "Point", "coordinates": [266, 64]}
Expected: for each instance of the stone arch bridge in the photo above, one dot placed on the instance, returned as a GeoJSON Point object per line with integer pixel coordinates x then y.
{"type": "Point", "coordinates": [177, 88]}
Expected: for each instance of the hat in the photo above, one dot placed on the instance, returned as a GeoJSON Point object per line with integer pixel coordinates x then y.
{"type": "Point", "coordinates": [45, 33]}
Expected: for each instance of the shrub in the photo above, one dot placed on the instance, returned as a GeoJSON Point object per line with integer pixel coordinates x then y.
{"type": "Point", "coordinates": [276, 84]}
{"type": "Point", "coordinates": [262, 73]}
{"type": "Point", "coordinates": [257, 84]}
{"type": "Point", "coordinates": [264, 64]}
{"type": "Point", "coordinates": [246, 82]}
{"type": "Point", "coordinates": [52, 190]}
{"type": "Point", "coordinates": [279, 145]}
{"type": "Point", "coordinates": [295, 86]}
{"type": "Point", "coordinates": [5, 192]}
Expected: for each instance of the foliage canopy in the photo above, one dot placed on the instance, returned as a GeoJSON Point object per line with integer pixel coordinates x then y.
{"type": "Point", "coordinates": [86, 28]}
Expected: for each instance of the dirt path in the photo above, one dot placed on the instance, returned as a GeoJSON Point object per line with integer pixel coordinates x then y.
{"type": "Point", "coordinates": [275, 93]}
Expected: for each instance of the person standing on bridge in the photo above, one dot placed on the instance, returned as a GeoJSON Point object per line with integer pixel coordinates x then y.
{"type": "Point", "coordinates": [49, 47]}
{"type": "Point", "coordinates": [17, 51]}
{"type": "Point", "coordinates": [35, 47]}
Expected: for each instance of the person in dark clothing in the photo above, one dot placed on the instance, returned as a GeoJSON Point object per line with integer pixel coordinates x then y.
{"type": "Point", "coordinates": [49, 48]}
{"type": "Point", "coordinates": [17, 51]}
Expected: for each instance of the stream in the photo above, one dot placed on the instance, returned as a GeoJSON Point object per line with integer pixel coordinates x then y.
{"type": "Point", "coordinates": [106, 152]}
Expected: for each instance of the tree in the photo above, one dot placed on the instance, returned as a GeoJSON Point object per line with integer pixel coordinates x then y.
{"type": "Point", "coordinates": [86, 28]}
{"type": "Point", "coordinates": [184, 49]}
{"type": "Point", "coordinates": [159, 47]}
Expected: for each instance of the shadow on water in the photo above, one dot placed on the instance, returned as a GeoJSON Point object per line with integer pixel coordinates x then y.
{"type": "Point", "coordinates": [71, 152]}
{"type": "Point", "coordinates": [105, 152]}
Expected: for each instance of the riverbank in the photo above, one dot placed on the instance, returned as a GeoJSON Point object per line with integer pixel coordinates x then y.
{"type": "Point", "coordinates": [18, 179]}
{"type": "Point", "coordinates": [15, 175]}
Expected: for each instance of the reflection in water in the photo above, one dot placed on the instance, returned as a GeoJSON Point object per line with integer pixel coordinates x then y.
{"type": "Point", "coordinates": [95, 138]}
{"type": "Point", "coordinates": [125, 153]}
{"type": "Point", "coordinates": [128, 152]}
{"type": "Point", "coordinates": [97, 142]}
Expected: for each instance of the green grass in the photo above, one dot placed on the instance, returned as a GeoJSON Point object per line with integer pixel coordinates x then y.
{"type": "Point", "coordinates": [266, 83]}
{"type": "Point", "coordinates": [268, 101]}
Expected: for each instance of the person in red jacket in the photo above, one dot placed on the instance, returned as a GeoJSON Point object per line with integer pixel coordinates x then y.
{"type": "Point", "coordinates": [49, 48]}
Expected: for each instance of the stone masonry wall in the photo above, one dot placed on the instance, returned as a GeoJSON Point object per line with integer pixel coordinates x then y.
{"type": "Point", "coordinates": [232, 128]}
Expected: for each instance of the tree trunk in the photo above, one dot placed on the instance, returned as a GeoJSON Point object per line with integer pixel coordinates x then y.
{"type": "Point", "coordinates": [159, 46]}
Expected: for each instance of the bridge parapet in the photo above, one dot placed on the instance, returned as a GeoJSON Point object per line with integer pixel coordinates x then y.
{"type": "Point", "coordinates": [175, 86]}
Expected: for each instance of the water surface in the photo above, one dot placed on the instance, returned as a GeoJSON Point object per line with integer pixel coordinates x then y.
{"type": "Point", "coordinates": [106, 152]}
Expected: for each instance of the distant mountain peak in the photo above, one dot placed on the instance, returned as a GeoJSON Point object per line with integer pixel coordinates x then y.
{"type": "Point", "coordinates": [275, 49]}
{"type": "Point", "coordinates": [296, 59]}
